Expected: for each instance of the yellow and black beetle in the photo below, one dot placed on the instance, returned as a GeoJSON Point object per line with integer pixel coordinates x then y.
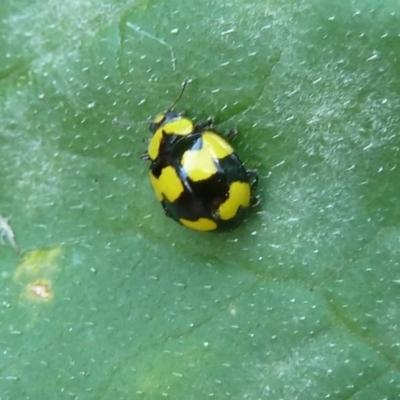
{"type": "Point", "coordinates": [196, 174]}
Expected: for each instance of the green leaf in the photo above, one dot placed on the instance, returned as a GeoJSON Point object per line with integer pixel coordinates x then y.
{"type": "Point", "coordinates": [109, 299]}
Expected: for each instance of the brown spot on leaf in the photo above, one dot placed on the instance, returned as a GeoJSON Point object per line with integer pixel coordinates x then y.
{"type": "Point", "coordinates": [40, 290]}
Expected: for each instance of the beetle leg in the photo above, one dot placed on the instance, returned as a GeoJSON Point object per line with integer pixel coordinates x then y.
{"type": "Point", "coordinates": [166, 212]}
{"type": "Point", "coordinates": [253, 178]}
{"type": "Point", "coordinates": [231, 134]}
{"type": "Point", "coordinates": [203, 125]}
{"type": "Point", "coordinates": [145, 156]}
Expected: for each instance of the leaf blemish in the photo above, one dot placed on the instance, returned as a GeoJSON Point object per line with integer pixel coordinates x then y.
{"type": "Point", "coordinates": [40, 290]}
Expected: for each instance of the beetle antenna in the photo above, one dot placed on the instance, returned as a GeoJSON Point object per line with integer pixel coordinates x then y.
{"type": "Point", "coordinates": [128, 125]}
{"type": "Point", "coordinates": [184, 84]}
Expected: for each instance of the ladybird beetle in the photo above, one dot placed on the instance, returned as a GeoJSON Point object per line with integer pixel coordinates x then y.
{"type": "Point", "coordinates": [196, 174]}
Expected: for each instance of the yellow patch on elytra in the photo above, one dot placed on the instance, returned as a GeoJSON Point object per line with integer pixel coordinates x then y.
{"type": "Point", "coordinates": [40, 290]}
{"type": "Point", "coordinates": [201, 164]}
{"type": "Point", "coordinates": [198, 164]}
{"type": "Point", "coordinates": [154, 145]}
{"type": "Point", "coordinates": [239, 195]}
{"type": "Point", "coordinates": [216, 145]}
{"type": "Point", "coordinates": [156, 186]}
{"type": "Point", "coordinates": [167, 185]}
{"type": "Point", "coordinates": [180, 126]}
{"type": "Point", "coordinates": [202, 224]}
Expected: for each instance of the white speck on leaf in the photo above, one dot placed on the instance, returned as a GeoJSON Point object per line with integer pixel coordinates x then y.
{"type": "Point", "coordinates": [228, 31]}
{"type": "Point", "coordinates": [374, 56]}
